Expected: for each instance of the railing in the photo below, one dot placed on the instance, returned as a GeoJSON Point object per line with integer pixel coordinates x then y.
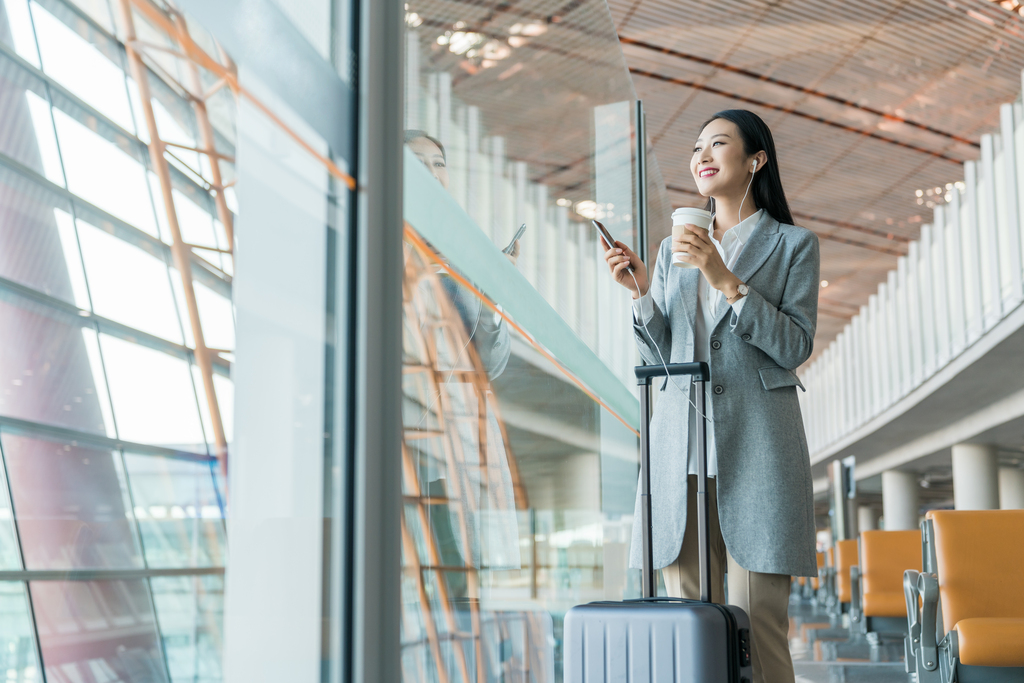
{"type": "Point", "coordinates": [960, 279]}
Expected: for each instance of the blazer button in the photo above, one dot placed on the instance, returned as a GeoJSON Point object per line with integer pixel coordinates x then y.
{"type": "Point", "coordinates": [745, 337]}
{"type": "Point", "coordinates": [719, 389]}
{"type": "Point", "coordinates": [716, 345]}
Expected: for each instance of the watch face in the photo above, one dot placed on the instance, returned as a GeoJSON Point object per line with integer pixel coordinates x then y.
{"type": "Point", "coordinates": [742, 289]}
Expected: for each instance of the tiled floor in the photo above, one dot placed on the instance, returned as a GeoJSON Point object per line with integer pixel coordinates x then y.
{"type": "Point", "coordinates": [811, 660]}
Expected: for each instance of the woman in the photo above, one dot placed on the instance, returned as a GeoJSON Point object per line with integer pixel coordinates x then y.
{"type": "Point", "coordinates": [748, 309]}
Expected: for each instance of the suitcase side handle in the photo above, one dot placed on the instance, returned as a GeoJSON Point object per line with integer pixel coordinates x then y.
{"type": "Point", "coordinates": [700, 372]}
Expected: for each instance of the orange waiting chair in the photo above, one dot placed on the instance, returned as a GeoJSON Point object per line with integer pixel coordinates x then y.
{"type": "Point", "coordinates": [846, 560]}
{"type": "Point", "coordinates": [966, 610]}
{"type": "Point", "coordinates": [884, 557]}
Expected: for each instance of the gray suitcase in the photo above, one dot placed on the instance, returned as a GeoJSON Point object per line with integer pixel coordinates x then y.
{"type": "Point", "coordinates": [661, 640]}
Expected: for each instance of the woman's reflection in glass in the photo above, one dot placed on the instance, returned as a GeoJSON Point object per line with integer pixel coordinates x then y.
{"type": "Point", "coordinates": [482, 511]}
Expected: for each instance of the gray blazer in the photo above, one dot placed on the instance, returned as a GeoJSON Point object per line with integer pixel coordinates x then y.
{"type": "Point", "coordinates": [765, 500]}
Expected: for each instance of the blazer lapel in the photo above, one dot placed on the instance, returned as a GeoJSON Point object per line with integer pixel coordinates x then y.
{"type": "Point", "coordinates": [763, 240]}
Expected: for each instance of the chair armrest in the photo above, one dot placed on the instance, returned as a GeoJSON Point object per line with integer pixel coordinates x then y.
{"type": "Point", "coordinates": [928, 589]}
{"type": "Point", "coordinates": [855, 600]}
{"type": "Point", "coordinates": [912, 596]}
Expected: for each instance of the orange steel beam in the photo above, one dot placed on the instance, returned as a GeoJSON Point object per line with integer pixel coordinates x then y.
{"type": "Point", "coordinates": [179, 251]}
{"type": "Point", "coordinates": [199, 56]}
{"type": "Point", "coordinates": [207, 138]}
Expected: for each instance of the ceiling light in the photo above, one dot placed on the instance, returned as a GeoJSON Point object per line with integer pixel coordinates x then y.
{"type": "Point", "coordinates": [516, 41]}
{"type": "Point", "coordinates": [461, 42]}
{"type": "Point", "coordinates": [412, 20]}
{"type": "Point", "coordinates": [458, 25]}
{"type": "Point", "coordinates": [562, 201]}
{"type": "Point", "coordinates": [938, 190]}
{"type": "Point", "coordinates": [514, 29]}
{"type": "Point", "coordinates": [586, 208]}
{"type": "Point", "coordinates": [495, 50]}
{"type": "Point", "coordinates": [824, 283]}
{"type": "Point", "coordinates": [919, 193]}
{"type": "Point", "coordinates": [534, 29]}
{"type": "Point", "coordinates": [487, 63]}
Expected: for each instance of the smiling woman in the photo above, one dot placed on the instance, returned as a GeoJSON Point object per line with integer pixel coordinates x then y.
{"type": "Point", "coordinates": [748, 309]}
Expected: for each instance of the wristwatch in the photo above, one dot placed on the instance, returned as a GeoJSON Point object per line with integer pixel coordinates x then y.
{"type": "Point", "coordinates": [741, 290]}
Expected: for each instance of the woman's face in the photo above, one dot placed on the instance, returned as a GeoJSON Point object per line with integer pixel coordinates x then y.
{"type": "Point", "coordinates": [432, 158]}
{"type": "Point", "coordinates": [719, 165]}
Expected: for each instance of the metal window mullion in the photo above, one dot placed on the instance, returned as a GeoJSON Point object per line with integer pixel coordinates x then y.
{"type": "Point", "coordinates": [66, 435]}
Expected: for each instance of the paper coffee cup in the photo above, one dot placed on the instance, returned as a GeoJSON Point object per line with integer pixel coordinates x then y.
{"type": "Point", "coordinates": [680, 217]}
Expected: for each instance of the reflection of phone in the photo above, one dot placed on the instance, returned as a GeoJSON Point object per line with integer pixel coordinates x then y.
{"type": "Point", "coordinates": [608, 238]}
{"type": "Point", "coordinates": [512, 245]}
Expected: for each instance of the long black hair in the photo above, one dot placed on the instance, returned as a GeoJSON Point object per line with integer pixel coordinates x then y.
{"type": "Point", "coordinates": [766, 190]}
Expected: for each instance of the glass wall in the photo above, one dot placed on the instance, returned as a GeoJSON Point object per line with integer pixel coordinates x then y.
{"type": "Point", "coordinates": [519, 418]}
{"type": "Point", "coordinates": [112, 536]}
{"type": "Point", "coordinates": [957, 282]}
{"type": "Point", "coordinates": [127, 124]}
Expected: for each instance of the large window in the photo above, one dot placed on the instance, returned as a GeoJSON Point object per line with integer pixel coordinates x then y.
{"type": "Point", "coordinates": [519, 416]}
{"type": "Point", "coordinates": [112, 535]}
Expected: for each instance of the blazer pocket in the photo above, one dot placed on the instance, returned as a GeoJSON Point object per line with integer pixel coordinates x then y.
{"type": "Point", "coordinates": [775, 377]}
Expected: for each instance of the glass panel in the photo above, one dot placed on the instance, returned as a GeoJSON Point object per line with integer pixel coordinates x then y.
{"type": "Point", "coordinates": [97, 10]}
{"type": "Point", "coordinates": [28, 135]}
{"type": "Point", "coordinates": [154, 401]}
{"type": "Point", "coordinates": [191, 614]}
{"type": "Point", "coordinates": [16, 30]}
{"type": "Point", "coordinates": [217, 316]}
{"type": "Point", "coordinates": [70, 504]}
{"type": "Point", "coordinates": [129, 284]}
{"type": "Point", "coordinates": [38, 247]}
{"type": "Point", "coordinates": [179, 511]}
{"type": "Point", "coordinates": [10, 551]}
{"type": "Point", "coordinates": [49, 374]}
{"type": "Point", "coordinates": [83, 61]}
{"type": "Point", "coordinates": [19, 659]}
{"type": "Point", "coordinates": [98, 631]}
{"type": "Point", "coordinates": [103, 174]}
{"type": "Point", "coordinates": [520, 484]}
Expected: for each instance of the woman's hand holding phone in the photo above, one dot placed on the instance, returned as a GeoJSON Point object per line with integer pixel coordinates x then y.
{"type": "Point", "coordinates": [619, 258]}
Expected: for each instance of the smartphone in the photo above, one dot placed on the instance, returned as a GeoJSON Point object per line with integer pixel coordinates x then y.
{"type": "Point", "coordinates": [512, 244]}
{"type": "Point", "coordinates": [608, 238]}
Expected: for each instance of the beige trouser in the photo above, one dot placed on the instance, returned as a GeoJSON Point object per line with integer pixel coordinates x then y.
{"type": "Point", "coordinates": [764, 597]}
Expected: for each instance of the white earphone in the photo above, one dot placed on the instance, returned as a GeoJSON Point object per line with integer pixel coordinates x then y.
{"type": "Point", "coordinates": [755, 165]}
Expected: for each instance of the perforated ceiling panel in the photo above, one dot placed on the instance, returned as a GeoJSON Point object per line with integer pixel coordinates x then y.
{"type": "Point", "coordinates": [869, 102]}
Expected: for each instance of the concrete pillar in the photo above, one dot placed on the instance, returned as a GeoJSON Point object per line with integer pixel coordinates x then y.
{"type": "Point", "coordinates": [1011, 488]}
{"type": "Point", "coordinates": [975, 477]}
{"type": "Point", "coordinates": [867, 518]}
{"type": "Point", "coordinates": [900, 500]}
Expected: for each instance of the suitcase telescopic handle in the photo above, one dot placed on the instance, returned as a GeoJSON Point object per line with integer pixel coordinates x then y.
{"type": "Point", "coordinates": [699, 373]}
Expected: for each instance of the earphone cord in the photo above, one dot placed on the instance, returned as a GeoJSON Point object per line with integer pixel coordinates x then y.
{"type": "Point", "coordinates": [668, 377]}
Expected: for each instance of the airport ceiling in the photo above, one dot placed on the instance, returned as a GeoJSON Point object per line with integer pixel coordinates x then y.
{"type": "Point", "coordinates": [869, 101]}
